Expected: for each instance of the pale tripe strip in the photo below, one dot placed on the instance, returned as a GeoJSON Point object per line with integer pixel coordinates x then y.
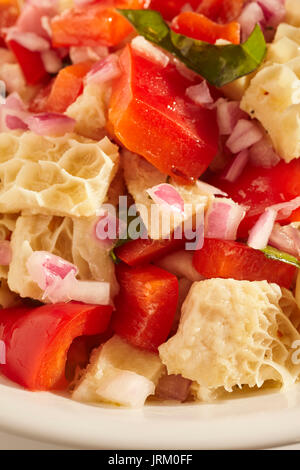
{"type": "Point", "coordinates": [7, 225]}
{"type": "Point", "coordinates": [232, 333]}
{"type": "Point", "coordinates": [113, 369]}
{"type": "Point", "coordinates": [73, 241]}
{"type": "Point", "coordinates": [90, 111]}
{"type": "Point", "coordinates": [139, 176]}
{"type": "Point", "coordinates": [68, 175]}
{"type": "Point", "coordinates": [273, 98]}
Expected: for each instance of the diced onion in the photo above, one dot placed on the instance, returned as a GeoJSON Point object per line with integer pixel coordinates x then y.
{"type": "Point", "coordinates": [228, 115]}
{"type": "Point", "coordinates": [263, 155]}
{"type": "Point", "coordinates": [51, 124]}
{"type": "Point", "coordinates": [145, 48]}
{"type": "Point", "coordinates": [105, 70]}
{"type": "Point", "coordinates": [286, 238]}
{"type": "Point", "coordinates": [273, 10]}
{"type": "Point", "coordinates": [237, 166]}
{"type": "Point", "coordinates": [251, 15]}
{"type": "Point", "coordinates": [223, 219]}
{"type": "Point", "coordinates": [167, 196]}
{"type": "Point", "coordinates": [52, 62]}
{"type": "Point", "coordinates": [244, 135]}
{"type": "Point", "coordinates": [284, 209]}
{"type": "Point", "coordinates": [200, 94]}
{"type": "Point", "coordinates": [259, 235]}
{"type": "Point", "coordinates": [30, 41]}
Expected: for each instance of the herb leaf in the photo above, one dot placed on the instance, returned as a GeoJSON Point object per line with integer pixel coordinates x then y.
{"type": "Point", "coordinates": [219, 65]}
{"type": "Point", "coordinates": [275, 254]}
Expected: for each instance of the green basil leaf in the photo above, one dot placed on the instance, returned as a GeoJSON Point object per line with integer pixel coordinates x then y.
{"type": "Point", "coordinates": [219, 65]}
{"type": "Point", "coordinates": [277, 255]}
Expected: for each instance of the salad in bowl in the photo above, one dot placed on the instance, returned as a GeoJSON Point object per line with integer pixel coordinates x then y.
{"type": "Point", "coordinates": [150, 198]}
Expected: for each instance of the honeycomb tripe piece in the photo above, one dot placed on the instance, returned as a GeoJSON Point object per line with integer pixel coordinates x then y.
{"type": "Point", "coordinates": [119, 373]}
{"type": "Point", "coordinates": [90, 111]}
{"type": "Point", "coordinates": [292, 12]}
{"type": "Point", "coordinates": [68, 175]}
{"type": "Point", "coordinates": [73, 241]}
{"type": "Point", "coordinates": [7, 225]}
{"type": "Point", "coordinates": [273, 98]}
{"type": "Point", "coordinates": [232, 333]}
{"type": "Point", "coordinates": [139, 176]}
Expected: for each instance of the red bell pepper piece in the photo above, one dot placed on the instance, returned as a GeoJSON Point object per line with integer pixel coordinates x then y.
{"type": "Point", "coordinates": [171, 8]}
{"type": "Point", "coordinates": [258, 188]}
{"type": "Point", "coordinates": [137, 252]}
{"type": "Point", "coordinates": [67, 86]}
{"type": "Point", "coordinates": [37, 340]}
{"type": "Point", "coordinates": [90, 25]}
{"type": "Point", "coordinates": [221, 11]}
{"type": "Point", "coordinates": [197, 26]}
{"type": "Point", "coordinates": [30, 62]}
{"type": "Point", "coordinates": [9, 12]}
{"type": "Point", "coordinates": [145, 306]}
{"type": "Point", "coordinates": [150, 115]}
{"type": "Point", "coordinates": [229, 259]}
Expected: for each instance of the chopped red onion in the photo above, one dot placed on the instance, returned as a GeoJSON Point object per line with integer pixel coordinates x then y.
{"type": "Point", "coordinates": [5, 253]}
{"type": "Point", "coordinates": [151, 52]}
{"type": "Point", "coordinates": [57, 278]}
{"type": "Point", "coordinates": [14, 122]}
{"type": "Point", "coordinates": [50, 124]}
{"type": "Point", "coordinates": [30, 19]}
{"type": "Point", "coordinates": [237, 166]}
{"type": "Point", "coordinates": [200, 94]}
{"type": "Point", "coordinates": [259, 235]}
{"type": "Point", "coordinates": [284, 209]}
{"type": "Point", "coordinates": [286, 238]}
{"type": "Point", "coordinates": [273, 10]}
{"type": "Point", "coordinates": [173, 387]}
{"type": "Point", "coordinates": [209, 189]}
{"type": "Point", "coordinates": [251, 15]}
{"type": "Point", "coordinates": [263, 155]}
{"type": "Point", "coordinates": [85, 53]}
{"type": "Point", "coordinates": [244, 135]}
{"type": "Point", "coordinates": [30, 41]}
{"type": "Point", "coordinates": [228, 115]}
{"type": "Point", "coordinates": [13, 113]}
{"type": "Point", "coordinates": [105, 70]}
{"type": "Point", "coordinates": [223, 219]}
{"type": "Point", "coordinates": [52, 62]}
{"type": "Point", "coordinates": [167, 196]}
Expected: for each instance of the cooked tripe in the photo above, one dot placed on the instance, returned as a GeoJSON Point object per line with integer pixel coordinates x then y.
{"type": "Point", "coordinates": [120, 374]}
{"type": "Point", "coordinates": [69, 175]}
{"type": "Point", "coordinates": [140, 176]}
{"type": "Point", "coordinates": [233, 333]}
{"type": "Point", "coordinates": [63, 237]}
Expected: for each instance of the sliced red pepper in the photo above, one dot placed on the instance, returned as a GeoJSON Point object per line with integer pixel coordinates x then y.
{"type": "Point", "coordinates": [221, 11]}
{"type": "Point", "coordinates": [37, 340]}
{"type": "Point", "coordinates": [90, 26]}
{"type": "Point", "coordinates": [150, 115]}
{"type": "Point", "coordinates": [229, 259]}
{"type": "Point", "coordinates": [30, 62]}
{"type": "Point", "coordinates": [170, 8]}
{"type": "Point", "coordinates": [258, 188]}
{"type": "Point", "coordinates": [137, 252]}
{"type": "Point", "coordinates": [9, 12]}
{"type": "Point", "coordinates": [198, 26]}
{"type": "Point", "coordinates": [145, 306]}
{"type": "Point", "coordinates": [67, 86]}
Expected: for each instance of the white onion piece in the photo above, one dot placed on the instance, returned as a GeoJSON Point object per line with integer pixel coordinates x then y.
{"type": "Point", "coordinates": [251, 15]}
{"type": "Point", "coordinates": [148, 50]}
{"type": "Point", "coordinates": [223, 218]}
{"type": "Point", "coordinates": [57, 278]}
{"type": "Point", "coordinates": [244, 135]}
{"type": "Point", "coordinates": [52, 62]}
{"type": "Point", "coordinates": [13, 122]}
{"type": "Point", "coordinates": [209, 189]}
{"type": "Point", "coordinates": [173, 387]}
{"type": "Point", "coordinates": [5, 253]}
{"type": "Point", "coordinates": [237, 166]}
{"type": "Point", "coordinates": [50, 124]}
{"type": "Point", "coordinates": [286, 238]}
{"type": "Point", "coordinates": [167, 196]}
{"type": "Point", "coordinates": [228, 115]}
{"type": "Point", "coordinates": [30, 19]}
{"type": "Point", "coordinates": [105, 70]}
{"type": "Point", "coordinates": [263, 155]}
{"type": "Point", "coordinates": [30, 41]}
{"type": "Point", "coordinates": [200, 94]}
{"type": "Point", "coordinates": [124, 388]}
{"type": "Point", "coordinates": [273, 10]}
{"type": "Point", "coordinates": [85, 53]}
{"type": "Point", "coordinates": [259, 235]}
{"type": "Point", "coordinates": [284, 209]}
